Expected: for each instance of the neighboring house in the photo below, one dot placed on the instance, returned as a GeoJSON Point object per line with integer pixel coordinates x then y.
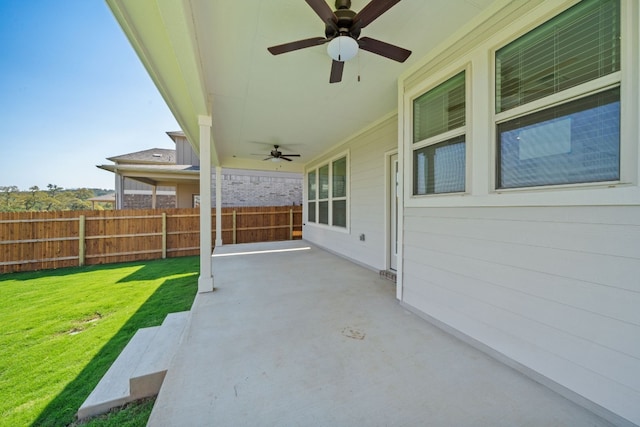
{"type": "Point", "coordinates": [148, 179]}
{"type": "Point", "coordinates": [106, 200]}
{"type": "Point", "coordinates": [164, 178]}
{"type": "Point", "coordinates": [497, 170]}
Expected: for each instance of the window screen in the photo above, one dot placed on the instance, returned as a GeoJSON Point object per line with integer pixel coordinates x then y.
{"type": "Point", "coordinates": [339, 213]}
{"type": "Point", "coordinates": [571, 143]}
{"type": "Point", "coordinates": [440, 168]}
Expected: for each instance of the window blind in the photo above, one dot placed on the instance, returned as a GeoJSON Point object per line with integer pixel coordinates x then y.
{"type": "Point", "coordinates": [440, 110]}
{"type": "Point", "coordinates": [339, 178]}
{"type": "Point", "coordinates": [323, 179]}
{"type": "Point", "coordinates": [579, 45]}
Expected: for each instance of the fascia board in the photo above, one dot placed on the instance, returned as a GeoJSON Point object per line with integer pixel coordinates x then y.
{"type": "Point", "coordinates": [161, 33]}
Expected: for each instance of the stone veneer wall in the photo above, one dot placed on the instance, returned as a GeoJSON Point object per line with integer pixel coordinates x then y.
{"type": "Point", "coordinates": [246, 189]}
{"type": "Point", "coordinates": [239, 188]}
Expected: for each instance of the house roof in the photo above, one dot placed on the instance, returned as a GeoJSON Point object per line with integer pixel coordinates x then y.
{"type": "Point", "coordinates": [153, 156]}
{"type": "Point", "coordinates": [156, 174]}
{"type": "Point", "coordinates": [174, 135]}
{"type": "Point", "coordinates": [210, 58]}
{"type": "Point", "coordinates": [106, 198]}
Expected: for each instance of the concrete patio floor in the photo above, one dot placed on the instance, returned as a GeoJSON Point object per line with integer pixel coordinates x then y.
{"type": "Point", "coordinates": [306, 338]}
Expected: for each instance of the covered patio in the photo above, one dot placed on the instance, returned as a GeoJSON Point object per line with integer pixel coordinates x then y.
{"type": "Point", "coordinates": [294, 335]}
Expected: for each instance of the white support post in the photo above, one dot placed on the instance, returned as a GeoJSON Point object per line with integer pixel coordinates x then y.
{"type": "Point", "coordinates": [219, 206]}
{"type": "Point", "coordinates": [205, 281]}
{"type": "Point", "coordinates": [119, 190]}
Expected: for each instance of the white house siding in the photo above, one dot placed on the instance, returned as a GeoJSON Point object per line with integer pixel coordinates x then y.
{"type": "Point", "coordinates": [184, 152]}
{"type": "Point", "coordinates": [367, 197]}
{"type": "Point", "coordinates": [556, 289]}
{"type": "Point", "coordinates": [545, 279]}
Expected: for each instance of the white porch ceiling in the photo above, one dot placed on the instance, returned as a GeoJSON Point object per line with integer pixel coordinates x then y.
{"type": "Point", "coordinates": [256, 99]}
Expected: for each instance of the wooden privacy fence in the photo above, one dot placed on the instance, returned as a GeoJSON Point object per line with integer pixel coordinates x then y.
{"type": "Point", "coordinates": [45, 240]}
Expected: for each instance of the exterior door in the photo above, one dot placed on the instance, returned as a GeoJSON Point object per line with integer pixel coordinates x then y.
{"type": "Point", "coordinates": [393, 214]}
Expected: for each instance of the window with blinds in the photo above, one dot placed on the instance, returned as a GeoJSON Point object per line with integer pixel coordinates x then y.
{"type": "Point", "coordinates": [576, 137]}
{"type": "Point", "coordinates": [327, 194]}
{"type": "Point", "coordinates": [323, 195]}
{"type": "Point", "coordinates": [575, 142]}
{"type": "Point", "coordinates": [439, 110]}
{"type": "Point", "coordinates": [577, 46]}
{"type": "Point", "coordinates": [439, 160]}
{"type": "Point", "coordinates": [339, 192]}
{"type": "Point", "coordinates": [440, 168]}
{"type": "Point", "coordinates": [311, 196]}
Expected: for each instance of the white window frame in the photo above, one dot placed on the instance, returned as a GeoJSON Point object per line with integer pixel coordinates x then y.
{"type": "Point", "coordinates": [478, 57]}
{"type": "Point", "coordinates": [316, 168]}
{"type": "Point", "coordinates": [315, 198]}
{"type": "Point", "coordinates": [610, 81]}
{"type": "Point", "coordinates": [443, 137]}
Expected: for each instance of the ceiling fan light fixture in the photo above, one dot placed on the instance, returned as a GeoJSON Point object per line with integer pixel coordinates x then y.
{"type": "Point", "coordinates": [342, 48]}
{"type": "Point", "coordinates": [275, 159]}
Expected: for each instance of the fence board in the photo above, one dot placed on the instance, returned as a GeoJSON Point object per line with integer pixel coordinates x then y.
{"type": "Point", "coordinates": [49, 240]}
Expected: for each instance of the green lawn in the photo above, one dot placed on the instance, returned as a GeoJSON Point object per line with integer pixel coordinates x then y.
{"type": "Point", "coordinates": [60, 330]}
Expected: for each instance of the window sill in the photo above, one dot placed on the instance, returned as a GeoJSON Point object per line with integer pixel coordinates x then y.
{"type": "Point", "coordinates": [590, 194]}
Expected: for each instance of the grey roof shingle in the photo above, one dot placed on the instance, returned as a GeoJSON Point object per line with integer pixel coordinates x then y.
{"type": "Point", "coordinates": [154, 156]}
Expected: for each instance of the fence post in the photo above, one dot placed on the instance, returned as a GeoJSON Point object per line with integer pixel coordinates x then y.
{"type": "Point", "coordinates": [290, 224]}
{"type": "Point", "coordinates": [164, 235]}
{"type": "Point", "coordinates": [234, 226]}
{"type": "Point", "coordinates": [81, 248]}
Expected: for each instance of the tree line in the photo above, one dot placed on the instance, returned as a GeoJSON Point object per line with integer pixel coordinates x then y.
{"type": "Point", "coordinates": [53, 198]}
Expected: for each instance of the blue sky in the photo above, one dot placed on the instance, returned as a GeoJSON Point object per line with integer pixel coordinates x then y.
{"type": "Point", "coordinates": [72, 93]}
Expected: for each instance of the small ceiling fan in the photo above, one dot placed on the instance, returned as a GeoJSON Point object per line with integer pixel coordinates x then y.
{"type": "Point", "coordinates": [277, 155]}
{"type": "Point", "coordinates": [342, 32]}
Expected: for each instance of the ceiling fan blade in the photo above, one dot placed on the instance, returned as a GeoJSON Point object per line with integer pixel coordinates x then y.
{"type": "Point", "coordinates": [300, 44]}
{"type": "Point", "coordinates": [336, 71]}
{"type": "Point", "coordinates": [322, 9]}
{"type": "Point", "coordinates": [384, 49]}
{"type": "Point", "coordinates": [291, 155]}
{"type": "Point", "coordinates": [268, 158]}
{"type": "Point", "coordinates": [283, 157]}
{"type": "Point", "coordinates": [372, 11]}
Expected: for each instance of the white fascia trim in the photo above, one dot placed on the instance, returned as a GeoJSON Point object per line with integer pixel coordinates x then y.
{"type": "Point", "coordinates": [162, 34]}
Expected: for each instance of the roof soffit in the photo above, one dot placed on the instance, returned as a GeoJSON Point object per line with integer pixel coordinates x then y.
{"type": "Point", "coordinates": [160, 32]}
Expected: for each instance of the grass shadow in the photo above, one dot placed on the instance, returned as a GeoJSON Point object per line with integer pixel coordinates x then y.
{"type": "Point", "coordinates": [172, 296]}
{"type": "Point", "coordinates": [155, 269]}
{"type": "Point", "coordinates": [67, 271]}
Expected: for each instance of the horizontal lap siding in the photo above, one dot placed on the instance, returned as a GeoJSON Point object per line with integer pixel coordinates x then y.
{"type": "Point", "coordinates": [556, 289]}
{"type": "Point", "coordinates": [367, 185]}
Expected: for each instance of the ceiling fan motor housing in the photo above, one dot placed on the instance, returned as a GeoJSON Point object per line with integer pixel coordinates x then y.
{"type": "Point", "coordinates": [345, 21]}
